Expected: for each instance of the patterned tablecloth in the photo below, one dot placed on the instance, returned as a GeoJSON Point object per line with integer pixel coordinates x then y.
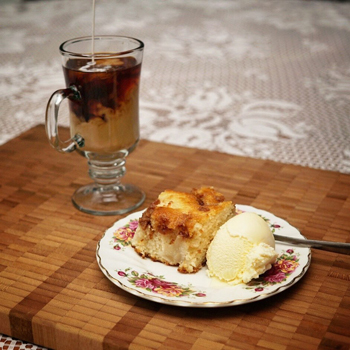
{"type": "Point", "coordinates": [260, 78]}
{"type": "Point", "coordinates": [266, 79]}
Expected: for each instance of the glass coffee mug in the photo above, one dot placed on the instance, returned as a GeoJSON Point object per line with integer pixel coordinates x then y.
{"type": "Point", "coordinates": [103, 97]}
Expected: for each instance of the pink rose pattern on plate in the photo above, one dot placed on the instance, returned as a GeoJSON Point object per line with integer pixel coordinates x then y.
{"type": "Point", "coordinates": [123, 235]}
{"type": "Point", "coordinates": [284, 266]}
{"type": "Point", "coordinates": [157, 284]}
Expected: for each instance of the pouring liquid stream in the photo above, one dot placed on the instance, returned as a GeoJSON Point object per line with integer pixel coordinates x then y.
{"type": "Point", "coordinates": [91, 65]}
{"type": "Point", "coordinates": [93, 34]}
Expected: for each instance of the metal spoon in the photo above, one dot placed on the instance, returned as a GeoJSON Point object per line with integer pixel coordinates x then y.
{"type": "Point", "coordinates": [336, 247]}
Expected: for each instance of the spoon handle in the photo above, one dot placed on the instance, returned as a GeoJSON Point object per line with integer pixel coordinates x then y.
{"type": "Point", "coordinates": [337, 247]}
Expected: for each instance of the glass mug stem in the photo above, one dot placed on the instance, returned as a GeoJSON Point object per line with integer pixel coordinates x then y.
{"type": "Point", "coordinates": [107, 172]}
{"type": "Point", "coordinates": [103, 104]}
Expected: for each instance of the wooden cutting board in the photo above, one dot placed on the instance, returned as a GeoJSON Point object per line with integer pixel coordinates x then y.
{"type": "Point", "coordinates": [53, 293]}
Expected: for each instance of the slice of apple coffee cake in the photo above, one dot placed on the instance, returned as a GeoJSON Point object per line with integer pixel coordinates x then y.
{"type": "Point", "coordinates": [177, 228]}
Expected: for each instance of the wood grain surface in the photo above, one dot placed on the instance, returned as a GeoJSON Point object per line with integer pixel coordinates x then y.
{"type": "Point", "coordinates": [53, 293]}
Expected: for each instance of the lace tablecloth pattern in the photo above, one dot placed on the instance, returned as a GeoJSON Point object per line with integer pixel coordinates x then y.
{"type": "Point", "coordinates": [266, 79]}
{"type": "Point", "coordinates": [7, 343]}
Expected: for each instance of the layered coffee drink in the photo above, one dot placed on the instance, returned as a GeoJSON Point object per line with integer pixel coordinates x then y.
{"type": "Point", "coordinates": [107, 113]}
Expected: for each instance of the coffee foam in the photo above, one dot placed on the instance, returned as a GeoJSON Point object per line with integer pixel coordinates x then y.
{"type": "Point", "coordinates": [96, 68]}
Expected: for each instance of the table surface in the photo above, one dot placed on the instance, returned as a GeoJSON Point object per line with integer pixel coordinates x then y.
{"type": "Point", "coordinates": [52, 292]}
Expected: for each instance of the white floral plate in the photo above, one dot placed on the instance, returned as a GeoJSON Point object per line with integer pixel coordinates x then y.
{"type": "Point", "coordinates": [164, 284]}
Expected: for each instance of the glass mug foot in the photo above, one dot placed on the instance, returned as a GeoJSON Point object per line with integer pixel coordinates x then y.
{"type": "Point", "coordinates": [107, 195]}
{"type": "Point", "coordinates": [108, 200]}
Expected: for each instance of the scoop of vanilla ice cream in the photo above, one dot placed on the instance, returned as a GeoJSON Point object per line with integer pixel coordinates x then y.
{"type": "Point", "coordinates": [242, 249]}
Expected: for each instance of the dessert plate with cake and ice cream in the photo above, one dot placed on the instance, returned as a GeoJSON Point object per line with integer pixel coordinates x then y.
{"type": "Point", "coordinates": [199, 250]}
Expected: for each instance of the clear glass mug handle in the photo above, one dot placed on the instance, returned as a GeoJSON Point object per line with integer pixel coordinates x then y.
{"type": "Point", "coordinates": [51, 121]}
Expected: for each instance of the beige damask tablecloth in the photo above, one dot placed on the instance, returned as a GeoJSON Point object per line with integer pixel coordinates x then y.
{"type": "Point", "coordinates": [259, 78]}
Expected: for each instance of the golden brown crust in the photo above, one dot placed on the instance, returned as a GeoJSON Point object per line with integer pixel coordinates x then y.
{"type": "Point", "coordinates": [208, 196]}
{"type": "Point", "coordinates": [145, 219]}
{"type": "Point", "coordinates": [169, 220]}
{"type": "Point", "coordinates": [177, 212]}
